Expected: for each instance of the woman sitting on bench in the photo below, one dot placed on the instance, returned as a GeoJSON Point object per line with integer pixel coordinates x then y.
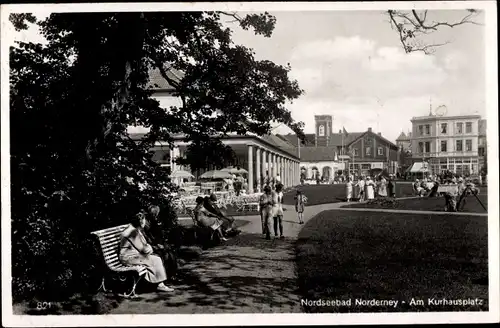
{"type": "Point", "coordinates": [206, 219]}
{"type": "Point", "coordinates": [134, 250]}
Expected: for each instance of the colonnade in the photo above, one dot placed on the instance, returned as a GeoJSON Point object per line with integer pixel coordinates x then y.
{"type": "Point", "coordinates": [263, 162]}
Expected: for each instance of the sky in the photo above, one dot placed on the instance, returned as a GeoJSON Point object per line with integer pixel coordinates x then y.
{"type": "Point", "coordinates": [351, 65]}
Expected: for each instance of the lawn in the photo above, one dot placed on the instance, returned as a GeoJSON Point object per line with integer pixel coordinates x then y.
{"type": "Point", "coordinates": [385, 256]}
{"type": "Point", "coordinates": [333, 193]}
{"type": "Point", "coordinates": [431, 204]}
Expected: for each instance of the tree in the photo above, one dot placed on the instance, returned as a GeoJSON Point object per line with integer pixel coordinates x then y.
{"type": "Point", "coordinates": [74, 167]}
{"type": "Point", "coordinates": [414, 25]}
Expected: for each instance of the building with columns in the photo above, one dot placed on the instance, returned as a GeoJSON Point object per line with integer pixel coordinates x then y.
{"type": "Point", "coordinates": [259, 155]}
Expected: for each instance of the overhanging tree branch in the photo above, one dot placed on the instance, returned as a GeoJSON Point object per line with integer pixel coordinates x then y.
{"type": "Point", "coordinates": [412, 26]}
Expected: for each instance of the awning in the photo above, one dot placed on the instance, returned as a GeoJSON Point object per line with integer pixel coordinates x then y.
{"type": "Point", "coordinates": [418, 167]}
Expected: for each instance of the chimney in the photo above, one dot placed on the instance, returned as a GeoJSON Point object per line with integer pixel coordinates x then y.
{"type": "Point", "coordinates": [340, 131]}
{"type": "Point", "coordinates": [369, 129]}
{"type": "Point", "coordinates": [380, 133]}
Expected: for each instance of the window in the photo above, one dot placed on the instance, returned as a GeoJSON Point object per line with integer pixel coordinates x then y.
{"type": "Point", "coordinates": [420, 147]}
{"type": "Point", "coordinates": [468, 145]}
{"type": "Point", "coordinates": [444, 128]}
{"type": "Point", "coordinates": [444, 146]}
{"type": "Point", "coordinates": [421, 130]}
{"type": "Point", "coordinates": [427, 147]}
{"type": "Point", "coordinates": [366, 166]}
{"type": "Point", "coordinates": [459, 145]}
{"type": "Point", "coordinates": [368, 150]}
{"type": "Point", "coordinates": [481, 152]}
{"type": "Point", "coordinates": [321, 131]}
{"type": "Point", "coordinates": [468, 127]}
{"type": "Point", "coordinates": [460, 127]}
{"type": "Point", "coordinates": [380, 151]}
{"type": "Point", "coordinates": [480, 141]}
{"type": "Point", "coordinates": [427, 129]}
{"type": "Point", "coordinates": [355, 152]}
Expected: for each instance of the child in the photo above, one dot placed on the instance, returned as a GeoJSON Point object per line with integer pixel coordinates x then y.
{"type": "Point", "coordinates": [300, 201]}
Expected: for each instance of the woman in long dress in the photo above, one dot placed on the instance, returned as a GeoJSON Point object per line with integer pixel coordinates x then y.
{"type": "Point", "coordinates": [134, 250]}
{"type": "Point", "coordinates": [348, 186]}
{"type": "Point", "coordinates": [370, 188]}
{"type": "Point", "coordinates": [382, 187]}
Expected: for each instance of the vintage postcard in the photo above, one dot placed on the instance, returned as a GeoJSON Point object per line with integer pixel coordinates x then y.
{"type": "Point", "coordinates": [172, 164]}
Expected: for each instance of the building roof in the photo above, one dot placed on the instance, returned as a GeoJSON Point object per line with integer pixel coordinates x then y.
{"type": "Point", "coordinates": [292, 139]}
{"type": "Point", "coordinates": [272, 140]}
{"type": "Point", "coordinates": [482, 127]}
{"type": "Point", "coordinates": [336, 138]}
{"type": "Point", "coordinates": [443, 118]}
{"type": "Point", "coordinates": [317, 154]}
{"type": "Point", "coordinates": [403, 137]}
{"type": "Point", "coordinates": [158, 83]}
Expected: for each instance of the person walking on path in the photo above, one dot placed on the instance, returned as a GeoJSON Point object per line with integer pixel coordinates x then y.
{"type": "Point", "coordinates": [278, 211]}
{"type": "Point", "coordinates": [267, 202]}
{"type": "Point", "coordinates": [348, 189]}
{"type": "Point", "coordinates": [300, 201]}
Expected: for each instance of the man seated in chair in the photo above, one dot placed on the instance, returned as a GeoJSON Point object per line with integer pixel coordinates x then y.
{"type": "Point", "coordinates": [210, 203]}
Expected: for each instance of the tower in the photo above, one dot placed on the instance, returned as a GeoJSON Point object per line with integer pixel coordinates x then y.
{"type": "Point", "coordinates": [323, 129]}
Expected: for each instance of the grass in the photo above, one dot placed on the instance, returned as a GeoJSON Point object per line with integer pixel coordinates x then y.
{"type": "Point", "coordinates": [385, 256]}
{"type": "Point", "coordinates": [431, 204]}
{"type": "Point", "coordinates": [334, 193]}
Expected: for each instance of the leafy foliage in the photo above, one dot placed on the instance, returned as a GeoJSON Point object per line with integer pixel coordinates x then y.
{"type": "Point", "coordinates": [74, 167]}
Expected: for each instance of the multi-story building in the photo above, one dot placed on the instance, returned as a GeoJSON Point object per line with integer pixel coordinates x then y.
{"type": "Point", "coordinates": [447, 142]}
{"type": "Point", "coordinates": [481, 143]}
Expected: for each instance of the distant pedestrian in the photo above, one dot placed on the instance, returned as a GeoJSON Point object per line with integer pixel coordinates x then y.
{"type": "Point", "coordinates": [361, 191]}
{"type": "Point", "coordinates": [266, 202]}
{"type": "Point", "coordinates": [382, 187]}
{"type": "Point", "coordinates": [370, 188]}
{"type": "Point", "coordinates": [348, 189]}
{"type": "Point", "coordinates": [278, 211]}
{"type": "Point", "coordinates": [391, 188]}
{"type": "Point", "coordinates": [300, 201]}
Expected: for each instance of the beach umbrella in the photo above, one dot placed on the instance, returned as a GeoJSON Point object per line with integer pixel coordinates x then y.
{"type": "Point", "coordinates": [234, 170]}
{"type": "Point", "coordinates": [216, 175]}
{"type": "Point", "coordinates": [181, 174]}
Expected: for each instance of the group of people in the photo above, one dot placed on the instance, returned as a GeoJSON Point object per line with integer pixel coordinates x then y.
{"type": "Point", "coordinates": [271, 209]}
{"type": "Point", "coordinates": [368, 189]}
{"type": "Point", "coordinates": [208, 214]}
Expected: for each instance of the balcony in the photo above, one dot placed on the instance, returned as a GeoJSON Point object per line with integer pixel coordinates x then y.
{"type": "Point", "coordinates": [472, 153]}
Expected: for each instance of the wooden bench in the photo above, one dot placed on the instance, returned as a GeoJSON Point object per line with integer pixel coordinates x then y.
{"type": "Point", "coordinates": [109, 239]}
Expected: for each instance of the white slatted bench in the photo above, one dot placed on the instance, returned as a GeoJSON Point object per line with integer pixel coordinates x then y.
{"type": "Point", "coordinates": [109, 240]}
